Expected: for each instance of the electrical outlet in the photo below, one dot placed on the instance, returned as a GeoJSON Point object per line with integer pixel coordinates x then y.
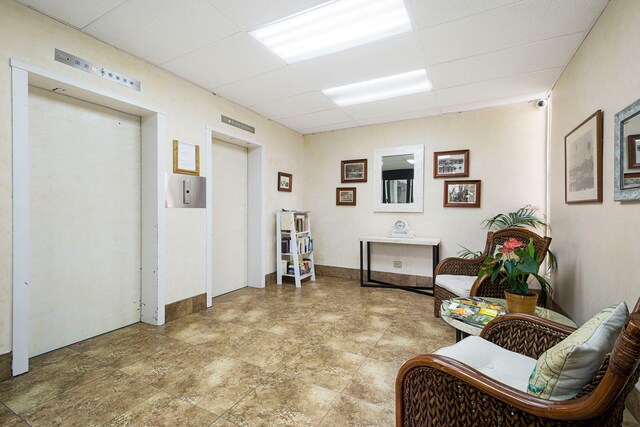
{"type": "Point", "coordinates": [397, 264]}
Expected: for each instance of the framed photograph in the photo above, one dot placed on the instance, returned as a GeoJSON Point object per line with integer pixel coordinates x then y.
{"type": "Point", "coordinates": [583, 161]}
{"type": "Point", "coordinates": [462, 194]}
{"type": "Point", "coordinates": [346, 196]}
{"type": "Point", "coordinates": [353, 170]}
{"type": "Point", "coordinates": [633, 144]}
{"type": "Point", "coordinates": [285, 181]}
{"type": "Point", "coordinates": [451, 164]}
{"type": "Point", "coordinates": [186, 158]}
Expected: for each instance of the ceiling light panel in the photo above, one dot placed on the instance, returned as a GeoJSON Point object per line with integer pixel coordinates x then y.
{"type": "Point", "coordinates": [332, 27]}
{"type": "Point", "coordinates": [386, 87]}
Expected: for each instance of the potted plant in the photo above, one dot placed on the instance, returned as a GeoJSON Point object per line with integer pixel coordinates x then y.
{"type": "Point", "coordinates": [525, 217]}
{"type": "Point", "coordinates": [516, 263]}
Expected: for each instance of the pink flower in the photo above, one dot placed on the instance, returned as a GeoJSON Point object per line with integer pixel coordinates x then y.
{"type": "Point", "coordinates": [510, 245]}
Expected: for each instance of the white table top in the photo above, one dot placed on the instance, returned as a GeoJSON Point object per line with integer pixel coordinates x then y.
{"type": "Point", "coordinates": [425, 241]}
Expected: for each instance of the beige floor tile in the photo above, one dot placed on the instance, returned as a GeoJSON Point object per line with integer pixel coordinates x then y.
{"type": "Point", "coordinates": [49, 358]}
{"type": "Point", "coordinates": [26, 391]}
{"type": "Point", "coordinates": [169, 365]}
{"type": "Point", "coordinates": [91, 404]}
{"type": "Point", "coordinates": [375, 382]}
{"type": "Point", "coordinates": [267, 350]}
{"type": "Point", "coordinates": [164, 410]}
{"type": "Point", "coordinates": [629, 420]}
{"type": "Point", "coordinates": [9, 419]}
{"type": "Point", "coordinates": [324, 366]}
{"type": "Point", "coordinates": [221, 422]}
{"type": "Point", "coordinates": [134, 347]}
{"type": "Point", "coordinates": [283, 400]}
{"type": "Point", "coordinates": [220, 337]}
{"type": "Point", "coordinates": [348, 411]}
{"type": "Point", "coordinates": [397, 346]}
{"type": "Point", "coordinates": [219, 385]}
{"type": "Point", "coordinates": [103, 339]}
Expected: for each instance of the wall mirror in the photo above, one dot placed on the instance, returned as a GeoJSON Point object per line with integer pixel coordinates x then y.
{"type": "Point", "coordinates": [398, 179]}
{"type": "Point", "coordinates": [627, 153]}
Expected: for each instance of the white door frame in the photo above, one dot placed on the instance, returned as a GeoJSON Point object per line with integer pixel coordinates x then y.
{"type": "Point", "coordinates": [255, 204]}
{"type": "Point", "coordinates": [152, 281]}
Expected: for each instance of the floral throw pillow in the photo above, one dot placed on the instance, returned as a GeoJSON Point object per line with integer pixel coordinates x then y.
{"type": "Point", "coordinates": [565, 368]}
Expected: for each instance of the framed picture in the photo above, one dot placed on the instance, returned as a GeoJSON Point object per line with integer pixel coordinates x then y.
{"type": "Point", "coordinates": [285, 181]}
{"type": "Point", "coordinates": [450, 164]}
{"type": "Point", "coordinates": [462, 194]}
{"type": "Point", "coordinates": [353, 170]}
{"type": "Point", "coordinates": [186, 158]}
{"type": "Point", "coordinates": [633, 144]}
{"type": "Point", "coordinates": [583, 161]}
{"type": "Point", "coordinates": [346, 196]}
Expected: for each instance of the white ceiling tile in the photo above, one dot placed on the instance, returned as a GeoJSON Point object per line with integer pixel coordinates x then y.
{"type": "Point", "coordinates": [161, 31]}
{"type": "Point", "coordinates": [518, 23]}
{"type": "Point", "coordinates": [249, 14]}
{"type": "Point", "coordinates": [379, 59]}
{"type": "Point", "coordinates": [400, 116]}
{"type": "Point", "coordinates": [398, 105]}
{"type": "Point", "coordinates": [270, 86]}
{"type": "Point", "coordinates": [508, 87]}
{"type": "Point", "coordinates": [78, 13]}
{"type": "Point", "coordinates": [434, 12]}
{"type": "Point", "coordinates": [320, 118]}
{"type": "Point", "coordinates": [234, 58]}
{"type": "Point", "coordinates": [513, 61]}
{"type": "Point", "coordinates": [327, 128]}
{"type": "Point", "coordinates": [294, 106]}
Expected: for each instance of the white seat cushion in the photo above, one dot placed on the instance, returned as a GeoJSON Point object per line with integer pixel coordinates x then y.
{"type": "Point", "coordinates": [508, 367]}
{"type": "Point", "coordinates": [459, 285]}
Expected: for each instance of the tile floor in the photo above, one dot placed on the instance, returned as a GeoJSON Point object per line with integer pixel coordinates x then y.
{"type": "Point", "coordinates": [326, 354]}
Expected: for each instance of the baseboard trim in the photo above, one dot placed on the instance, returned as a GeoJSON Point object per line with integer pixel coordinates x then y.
{"type": "Point", "coordinates": [185, 307]}
{"type": "Point", "coordinates": [384, 276]}
{"type": "Point", "coordinates": [5, 366]}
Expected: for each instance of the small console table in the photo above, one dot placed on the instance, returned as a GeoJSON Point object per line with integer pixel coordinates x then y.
{"type": "Point", "coordinates": [416, 241]}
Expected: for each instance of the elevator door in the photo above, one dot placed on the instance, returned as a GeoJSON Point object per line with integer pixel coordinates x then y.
{"type": "Point", "coordinates": [84, 220]}
{"type": "Point", "coordinates": [229, 175]}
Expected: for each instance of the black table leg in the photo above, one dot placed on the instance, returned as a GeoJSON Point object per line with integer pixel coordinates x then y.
{"type": "Point", "coordinates": [436, 258]}
{"type": "Point", "coordinates": [361, 272]}
{"type": "Point", "coordinates": [368, 261]}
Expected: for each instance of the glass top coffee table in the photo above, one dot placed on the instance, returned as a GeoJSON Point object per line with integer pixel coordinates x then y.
{"type": "Point", "coordinates": [464, 329]}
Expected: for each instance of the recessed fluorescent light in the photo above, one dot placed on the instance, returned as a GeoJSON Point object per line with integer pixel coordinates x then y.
{"type": "Point", "coordinates": [333, 26]}
{"type": "Point", "coordinates": [385, 87]}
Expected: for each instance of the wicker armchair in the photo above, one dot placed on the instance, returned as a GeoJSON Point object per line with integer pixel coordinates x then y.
{"type": "Point", "coordinates": [470, 267]}
{"type": "Point", "coordinates": [434, 390]}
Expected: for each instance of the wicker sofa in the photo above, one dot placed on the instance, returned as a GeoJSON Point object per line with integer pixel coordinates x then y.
{"type": "Point", "coordinates": [433, 390]}
{"type": "Point", "coordinates": [457, 277]}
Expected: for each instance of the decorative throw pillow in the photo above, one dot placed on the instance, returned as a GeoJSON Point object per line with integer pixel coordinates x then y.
{"type": "Point", "coordinates": [565, 368]}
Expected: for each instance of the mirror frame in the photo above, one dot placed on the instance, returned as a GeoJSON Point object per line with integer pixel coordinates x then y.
{"type": "Point", "coordinates": [622, 194]}
{"type": "Point", "coordinates": [418, 179]}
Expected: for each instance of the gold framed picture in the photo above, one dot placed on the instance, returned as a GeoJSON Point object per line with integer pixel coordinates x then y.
{"type": "Point", "coordinates": [186, 158]}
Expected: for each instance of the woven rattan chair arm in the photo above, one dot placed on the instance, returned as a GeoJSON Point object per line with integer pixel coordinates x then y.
{"type": "Point", "coordinates": [459, 266]}
{"type": "Point", "coordinates": [468, 383]}
{"type": "Point", "coordinates": [525, 334]}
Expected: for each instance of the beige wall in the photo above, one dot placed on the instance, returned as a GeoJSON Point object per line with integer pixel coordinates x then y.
{"type": "Point", "coordinates": [31, 37]}
{"type": "Point", "coordinates": [507, 153]}
{"type": "Point", "coordinates": [597, 244]}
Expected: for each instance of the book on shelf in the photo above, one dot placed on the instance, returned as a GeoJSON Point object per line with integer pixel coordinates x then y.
{"type": "Point", "coordinates": [473, 310]}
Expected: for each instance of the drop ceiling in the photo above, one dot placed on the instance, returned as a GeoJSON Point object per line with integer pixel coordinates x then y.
{"type": "Point", "coordinates": [477, 53]}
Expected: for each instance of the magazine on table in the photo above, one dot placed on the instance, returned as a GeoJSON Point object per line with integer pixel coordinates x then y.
{"type": "Point", "coordinates": [473, 310]}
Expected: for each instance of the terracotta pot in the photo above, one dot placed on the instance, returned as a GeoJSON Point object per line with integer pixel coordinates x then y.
{"type": "Point", "coordinates": [525, 304]}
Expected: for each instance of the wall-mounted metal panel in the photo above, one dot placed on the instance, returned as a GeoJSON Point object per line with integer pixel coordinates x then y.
{"type": "Point", "coordinates": [95, 69]}
{"type": "Point", "coordinates": [185, 191]}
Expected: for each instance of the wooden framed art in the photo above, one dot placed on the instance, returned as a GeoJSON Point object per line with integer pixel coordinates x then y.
{"type": "Point", "coordinates": [462, 194]}
{"type": "Point", "coordinates": [633, 146]}
{"type": "Point", "coordinates": [451, 164]}
{"type": "Point", "coordinates": [285, 181]}
{"type": "Point", "coordinates": [353, 170]}
{"type": "Point", "coordinates": [583, 161]}
{"type": "Point", "coordinates": [346, 196]}
{"type": "Point", "coordinates": [186, 158]}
